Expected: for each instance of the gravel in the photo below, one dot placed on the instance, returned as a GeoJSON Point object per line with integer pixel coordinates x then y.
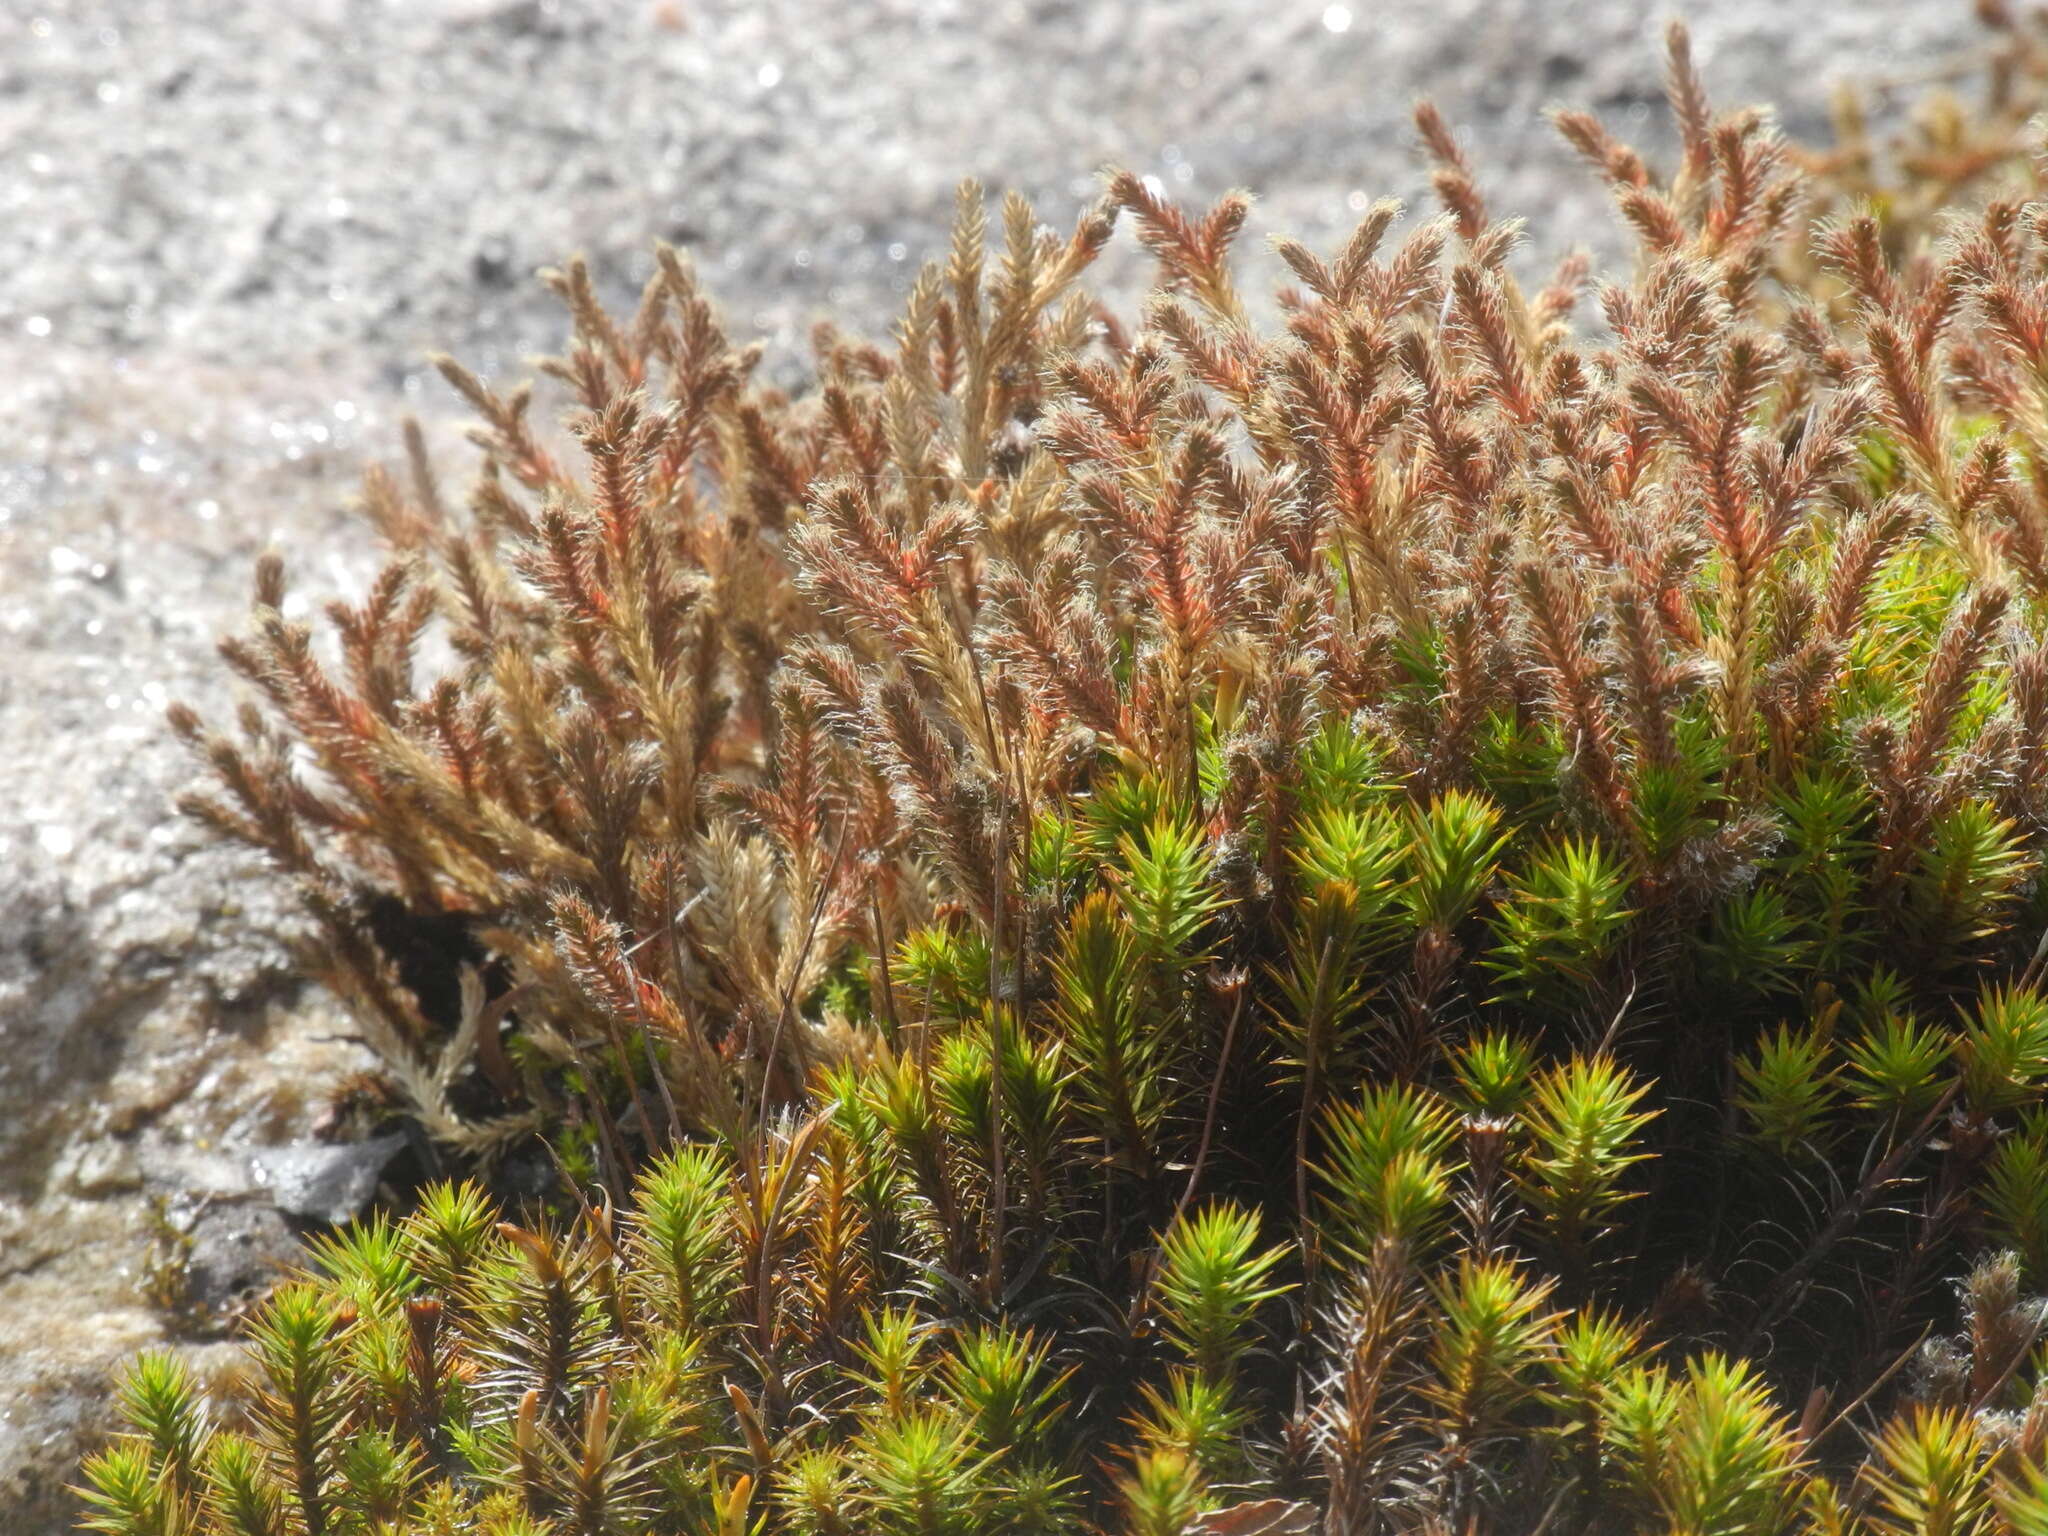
{"type": "Point", "coordinates": [232, 231]}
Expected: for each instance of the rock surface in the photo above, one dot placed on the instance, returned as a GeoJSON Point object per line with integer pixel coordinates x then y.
{"type": "Point", "coordinates": [232, 230]}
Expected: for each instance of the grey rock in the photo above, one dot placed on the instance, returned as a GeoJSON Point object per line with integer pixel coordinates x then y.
{"type": "Point", "coordinates": [238, 1250]}
{"type": "Point", "coordinates": [233, 230]}
{"type": "Point", "coordinates": [322, 1183]}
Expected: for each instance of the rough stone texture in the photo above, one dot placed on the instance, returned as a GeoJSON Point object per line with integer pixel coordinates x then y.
{"type": "Point", "coordinates": [230, 232]}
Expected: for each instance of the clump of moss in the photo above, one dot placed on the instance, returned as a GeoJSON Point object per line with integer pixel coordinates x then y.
{"type": "Point", "coordinates": [1420, 922]}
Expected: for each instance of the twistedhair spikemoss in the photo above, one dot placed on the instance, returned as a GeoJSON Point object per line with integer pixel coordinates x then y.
{"type": "Point", "coordinates": [1427, 920]}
